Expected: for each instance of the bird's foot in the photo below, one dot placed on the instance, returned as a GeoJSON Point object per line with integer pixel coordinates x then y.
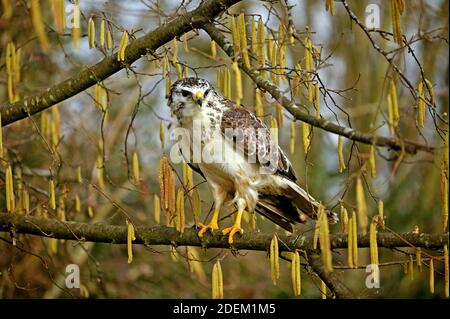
{"type": "Point", "coordinates": [236, 228]}
{"type": "Point", "coordinates": [204, 228]}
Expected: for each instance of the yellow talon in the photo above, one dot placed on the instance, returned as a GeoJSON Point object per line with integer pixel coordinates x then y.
{"type": "Point", "coordinates": [231, 231]}
{"type": "Point", "coordinates": [204, 228]}
{"type": "Point", "coordinates": [236, 228]}
{"type": "Point", "coordinates": [213, 225]}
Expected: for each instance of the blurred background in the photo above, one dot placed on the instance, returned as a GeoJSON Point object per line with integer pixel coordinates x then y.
{"type": "Point", "coordinates": [80, 136]}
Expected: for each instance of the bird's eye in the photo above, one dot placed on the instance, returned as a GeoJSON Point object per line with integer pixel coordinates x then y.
{"type": "Point", "coordinates": [185, 93]}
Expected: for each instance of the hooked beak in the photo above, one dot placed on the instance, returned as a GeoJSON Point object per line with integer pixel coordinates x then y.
{"type": "Point", "coordinates": [198, 97]}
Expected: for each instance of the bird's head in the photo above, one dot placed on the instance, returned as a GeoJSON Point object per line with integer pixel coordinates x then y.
{"type": "Point", "coordinates": [190, 93]}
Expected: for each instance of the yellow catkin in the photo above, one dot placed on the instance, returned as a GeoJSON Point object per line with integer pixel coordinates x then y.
{"type": "Point", "coordinates": [274, 260]}
{"type": "Point", "coordinates": [77, 203]}
{"type": "Point", "coordinates": [293, 129]}
{"type": "Point", "coordinates": [109, 40]}
{"type": "Point", "coordinates": [254, 38]}
{"type": "Point", "coordinates": [156, 209]}
{"type": "Point", "coordinates": [397, 8]}
{"type": "Point", "coordinates": [341, 155]}
{"type": "Point", "coordinates": [323, 290]}
{"type": "Point", "coordinates": [38, 25]}
{"type": "Point", "coordinates": [373, 162]}
{"type": "Point", "coordinates": [344, 220]}
{"type": "Point", "coordinates": [296, 274]}
{"type": "Point", "coordinates": [102, 33]}
{"type": "Point", "coordinates": [235, 36]}
{"type": "Point", "coordinates": [274, 129]}
{"type": "Point", "coordinates": [122, 46]}
{"type": "Point", "coordinates": [395, 110]}
{"type": "Point", "coordinates": [217, 281]}
{"type": "Point", "coordinates": [381, 213]}
{"type": "Point", "coordinates": [325, 246]}
{"type": "Point", "coordinates": [130, 237]}
{"type": "Point", "coordinates": [136, 168]}
{"type": "Point", "coordinates": [185, 43]}
{"type": "Point", "coordinates": [162, 137]}
{"type": "Point", "coordinates": [297, 79]}
{"type": "Point", "coordinates": [317, 99]}
{"type": "Point", "coordinates": [52, 246]}
{"type": "Point", "coordinates": [237, 82]}
{"type": "Point", "coordinates": [175, 59]}
{"type": "Point", "coordinates": [444, 193]}
{"type": "Point", "coordinates": [309, 63]}
{"type": "Point", "coordinates": [197, 204]}
{"type": "Point", "coordinates": [9, 188]}
{"type": "Point", "coordinates": [355, 240]}
{"type": "Point", "coordinates": [421, 105]}
{"type": "Point", "coordinates": [391, 121]}
{"type": "Point", "coordinates": [431, 91]}
{"type": "Point", "coordinates": [90, 212]}
{"type": "Point", "coordinates": [79, 175]}
{"type": "Point", "coordinates": [7, 9]}
{"type": "Point", "coordinates": [180, 211]}
{"type": "Point", "coordinates": [1, 137]}
{"type": "Point", "coordinates": [373, 241]}
{"type": "Point", "coordinates": [259, 110]}
{"type": "Point", "coordinates": [91, 33]}
{"type": "Point", "coordinates": [306, 136]}
{"type": "Point", "coordinates": [59, 14]}
{"type": "Point", "coordinates": [411, 267]}
{"type": "Point", "coordinates": [279, 114]}
{"type": "Point", "coordinates": [261, 50]}
{"type": "Point", "coordinates": [350, 243]}
{"type": "Point", "coordinates": [213, 48]}
{"type": "Point", "coordinates": [329, 6]}
{"type": "Point", "coordinates": [51, 191]}
{"type": "Point", "coordinates": [446, 283]}
{"type": "Point", "coordinates": [419, 259]}
{"type": "Point", "coordinates": [243, 39]}
{"type": "Point", "coordinates": [227, 83]}
{"type": "Point", "coordinates": [431, 279]}
{"type": "Point", "coordinates": [76, 28]}
{"type": "Point", "coordinates": [316, 235]}
{"type": "Point", "coordinates": [362, 206]}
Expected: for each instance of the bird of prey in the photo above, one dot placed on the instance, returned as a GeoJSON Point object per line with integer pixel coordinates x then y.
{"type": "Point", "coordinates": [237, 169]}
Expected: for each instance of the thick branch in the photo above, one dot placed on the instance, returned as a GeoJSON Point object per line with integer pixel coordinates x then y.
{"type": "Point", "coordinates": [161, 235]}
{"type": "Point", "coordinates": [12, 112]}
{"type": "Point", "coordinates": [266, 85]}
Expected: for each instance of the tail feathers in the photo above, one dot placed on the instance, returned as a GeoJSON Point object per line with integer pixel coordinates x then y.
{"type": "Point", "coordinates": [279, 210]}
{"type": "Point", "coordinates": [306, 203]}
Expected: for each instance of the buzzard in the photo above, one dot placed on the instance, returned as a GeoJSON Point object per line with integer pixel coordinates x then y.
{"type": "Point", "coordinates": [240, 159]}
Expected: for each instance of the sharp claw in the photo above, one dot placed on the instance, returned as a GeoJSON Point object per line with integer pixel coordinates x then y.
{"type": "Point", "coordinates": [232, 231]}
{"type": "Point", "coordinates": [205, 228]}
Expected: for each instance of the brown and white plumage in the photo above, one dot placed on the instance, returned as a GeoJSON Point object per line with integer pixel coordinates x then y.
{"type": "Point", "coordinates": [249, 170]}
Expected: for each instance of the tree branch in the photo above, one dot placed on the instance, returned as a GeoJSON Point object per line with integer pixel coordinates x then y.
{"type": "Point", "coordinates": [161, 235]}
{"type": "Point", "coordinates": [277, 94]}
{"type": "Point", "coordinates": [147, 44]}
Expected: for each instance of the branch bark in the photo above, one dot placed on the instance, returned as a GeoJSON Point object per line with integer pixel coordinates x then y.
{"type": "Point", "coordinates": [161, 235]}
{"type": "Point", "coordinates": [277, 94]}
{"type": "Point", "coordinates": [147, 44]}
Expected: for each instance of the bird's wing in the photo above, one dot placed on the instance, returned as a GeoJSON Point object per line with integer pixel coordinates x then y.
{"type": "Point", "coordinates": [253, 137]}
